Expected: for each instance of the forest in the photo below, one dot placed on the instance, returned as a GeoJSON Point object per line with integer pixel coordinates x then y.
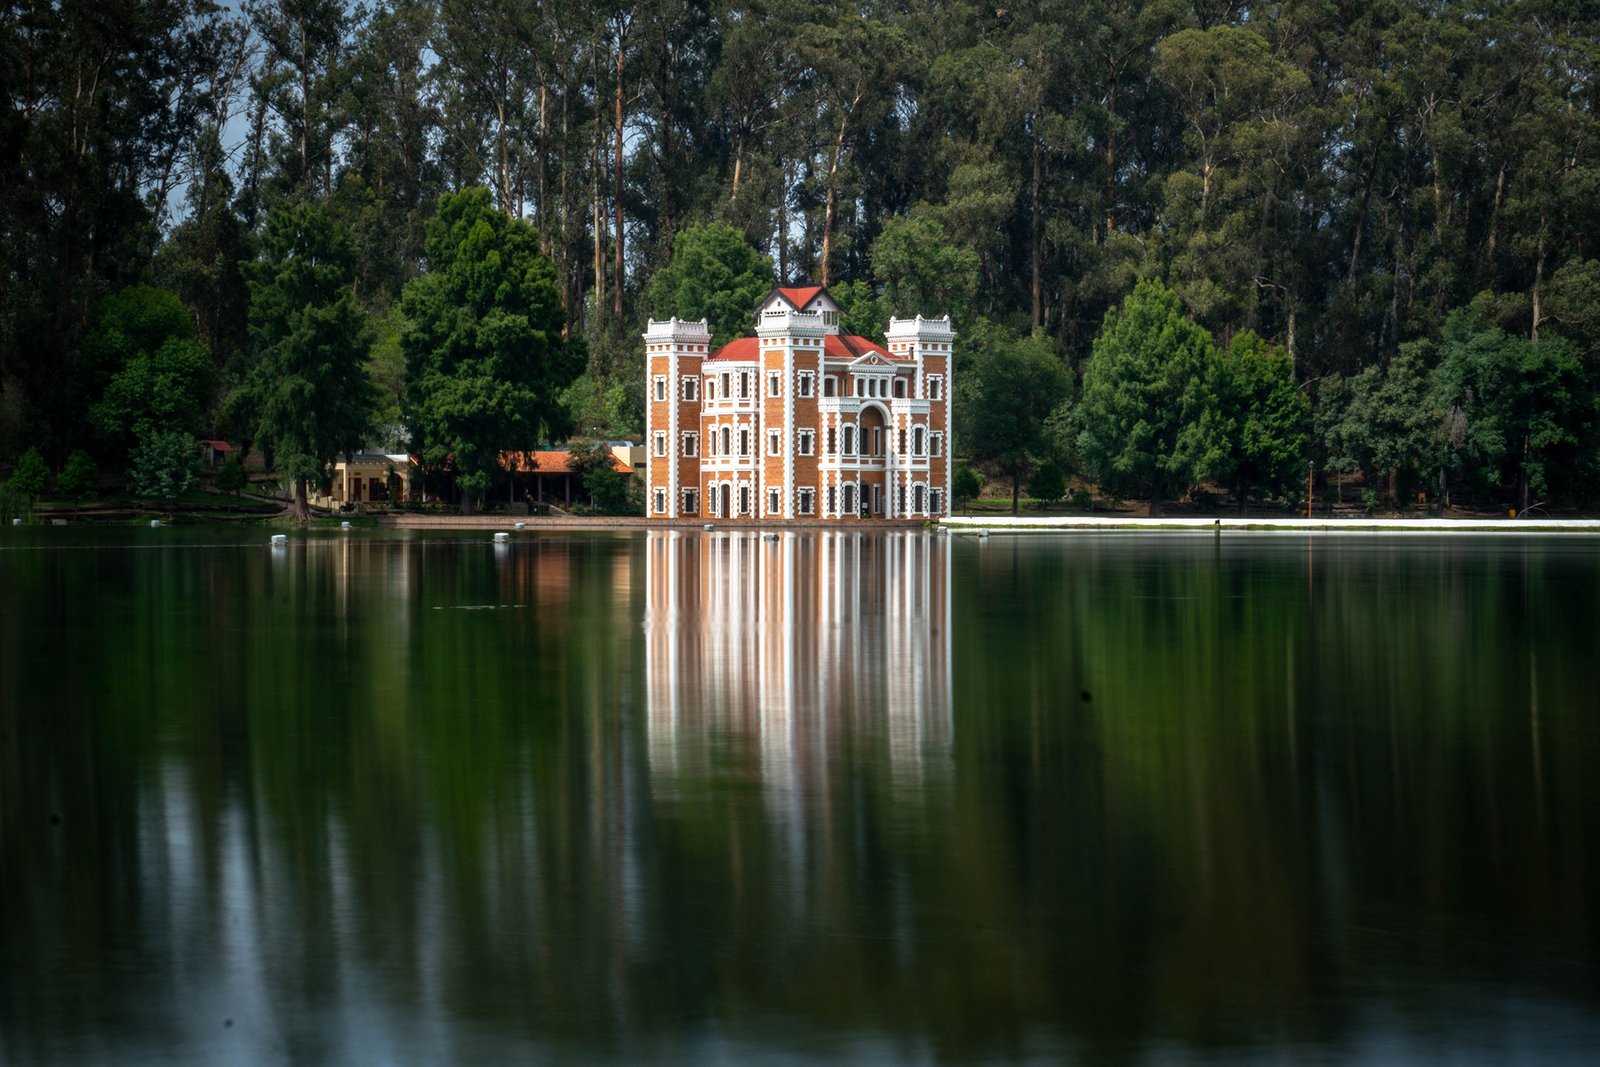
{"type": "Point", "coordinates": [1190, 247]}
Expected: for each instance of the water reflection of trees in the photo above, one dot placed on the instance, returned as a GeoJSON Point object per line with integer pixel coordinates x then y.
{"type": "Point", "coordinates": [414, 799]}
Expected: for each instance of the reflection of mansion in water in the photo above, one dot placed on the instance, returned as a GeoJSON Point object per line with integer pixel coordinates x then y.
{"type": "Point", "coordinates": [800, 421]}
{"type": "Point", "coordinates": [798, 649]}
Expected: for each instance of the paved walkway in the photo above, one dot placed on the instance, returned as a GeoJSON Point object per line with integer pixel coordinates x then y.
{"type": "Point", "coordinates": [1024, 524]}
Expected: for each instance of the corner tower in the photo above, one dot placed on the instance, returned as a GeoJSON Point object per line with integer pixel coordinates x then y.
{"type": "Point", "coordinates": [674, 350]}
{"type": "Point", "coordinates": [926, 344]}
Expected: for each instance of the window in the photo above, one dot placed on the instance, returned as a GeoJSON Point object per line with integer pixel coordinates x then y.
{"type": "Point", "coordinates": [804, 383]}
{"type": "Point", "coordinates": [833, 500]}
{"type": "Point", "coordinates": [936, 502]}
{"type": "Point", "coordinates": [691, 444]}
{"type": "Point", "coordinates": [917, 495]}
{"type": "Point", "coordinates": [744, 386]}
{"type": "Point", "coordinates": [774, 442]}
{"type": "Point", "coordinates": [744, 499]}
{"type": "Point", "coordinates": [774, 384]}
{"type": "Point", "coordinates": [744, 443]}
{"type": "Point", "coordinates": [902, 445]}
{"type": "Point", "coordinates": [877, 442]}
{"type": "Point", "coordinates": [691, 388]}
{"type": "Point", "coordinates": [849, 440]}
{"type": "Point", "coordinates": [900, 387]}
{"type": "Point", "coordinates": [774, 501]}
{"type": "Point", "coordinates": [859, 387]}
{"type": "Point", "coordinates": [935, 386]}
{"type": "Point", "coordinates": [849, 497]}
{"type": "Point", "coordinates": [727, 390]}
{"type": "Point", "coordinates": [711, 388]}
{"type": "Point", "coordinates": [830, 386]}
{"type": "Point", "coordinates": [727, 447]}
{"type": "Point", "coordinates": [830, 318]}
{"type": "Point", "coordinates": [661, 442]}
{"type": "Point", "coordinates": [833, 441]}
{"type": "Point", "coordinates": [918, 440]}
{"type": "Point", "coordinates": [661, 501]}
{"type": "Point", "coordinates": [661, 387]}
{"type": "Point", "coordinates": [807, 500]}
{"type": "Point", "coordinates": [804, 441]}
{"type": "Point", "coordinates": [899, 500]}
{"type": "Point", "coordinates": [691, 501]}
{"type": "Point", "coordinates": [938, 443]}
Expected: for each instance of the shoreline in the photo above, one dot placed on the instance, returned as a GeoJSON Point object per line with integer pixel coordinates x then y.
{"type": "Point", "coordinates": [1090, 523]}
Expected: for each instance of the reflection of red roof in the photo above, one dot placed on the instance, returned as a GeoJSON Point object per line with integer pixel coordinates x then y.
{"type": "Point", "coordinates": [550, 462]}
{"type": "Point", "coordinates": [800, 297]}
{"type": "Point", "coordinates": [834, 346]}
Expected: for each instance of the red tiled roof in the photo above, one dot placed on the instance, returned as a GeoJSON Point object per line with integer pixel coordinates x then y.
{"type": "Point", "coordinates": [849, 346]}
{"type": "Point", "coordinates": [800, 296]}
{"type": "Point", "coordinates": [217, 446]}
{"type": "Point", "coordinates": [743, 348]}
{"type": "Point", "coordinates": [834, 346]}
{"type": "Point", "coordinates": [550, 462]}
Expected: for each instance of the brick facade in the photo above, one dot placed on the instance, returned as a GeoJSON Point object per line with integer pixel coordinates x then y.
{"type": "Point", "coordinates": [800, 422]}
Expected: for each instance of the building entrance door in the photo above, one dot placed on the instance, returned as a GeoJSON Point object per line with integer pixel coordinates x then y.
{"type": "Point", "coordinates": [727, 497]}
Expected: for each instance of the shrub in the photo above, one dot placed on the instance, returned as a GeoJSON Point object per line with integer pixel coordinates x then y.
{"type": "Point", "coordinates": [31, 475]}
{"type": "Point", "coordinates": [79, 478]}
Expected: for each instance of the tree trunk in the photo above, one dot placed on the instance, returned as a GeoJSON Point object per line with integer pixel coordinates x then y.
{"type": "Point", "coordinates": [1522, 476]}
{"type": "Point", "coordinates": [616, 179]}
{"type": "Point", "coordinates": [1016, 477]}
{"type": "Point", "coordinates": [1155, 498]}
{"type": "Point", "coordinates": [1538, 284]}
{"type": "Point", "coordinates": [301, 508]}
{"type": "Point", "coordinates": [1036, 253]}
{"type": "Point", "coordinates": [831, 199]}
{"type": "Point", "coordinates": [466, 499]}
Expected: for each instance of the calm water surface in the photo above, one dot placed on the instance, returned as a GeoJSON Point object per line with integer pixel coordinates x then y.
{"type": "Point", "coordinates": [698, 798]}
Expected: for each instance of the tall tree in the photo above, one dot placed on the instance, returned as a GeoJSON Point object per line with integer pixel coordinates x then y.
{"type": "Point", "coordinates": [311, 340]}
{"type": "Point", "coordinates": [484, 348]}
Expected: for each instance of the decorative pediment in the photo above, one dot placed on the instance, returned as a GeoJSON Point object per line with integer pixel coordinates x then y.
{"type": "Point", "coordinates": [871, 361]}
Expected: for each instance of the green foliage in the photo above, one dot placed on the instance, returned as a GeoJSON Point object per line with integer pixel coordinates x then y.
{"type": "Point", "coordinates": [310, 387]}
{"type": "Point", "coordinates": [714, 275]}
{"type": "Point", "coordinates": [163, 465]}
{"type": "Point", "coordinates": [1048, 484]}
{"type": "Point", "coordinates": [1261, 419]}
{"type": "Point", "coordinates": [966, 483]}
{"type": "Point", "coordinates": [861, 311]}
{"type": "Point", "coordinates": [231, 477]}
{"type": "Point", "coordinates": [486, 360]}
{"type": "Point", "coordinates": [80, 477]}
{"type": "Point", "coordinates": [30, 476]}
{"type": "Point", "coordinates": [165, 388]}
{"type": "Point", "coordinates": [1386, 423]}
{"type": "Point", "coordinates": [1146, 390]}
{"type": "Point", "coordinates": [610, 490]}
{"type": "Point", "coordinates": [1019, 381]}
{"type": "Point", "coordinates": [921, 271]}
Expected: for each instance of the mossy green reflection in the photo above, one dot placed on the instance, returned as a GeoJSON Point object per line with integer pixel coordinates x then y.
{"type": "Point", "coordinates": [863, 796]}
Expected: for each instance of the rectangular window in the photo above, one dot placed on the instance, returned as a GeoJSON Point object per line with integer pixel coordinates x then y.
{"type": "Point", "coordinates": [899, 500]}
{"type": "Point", "coordinates": [744, 387]}
{"type": "Point", "coordinates": [935, 386]}
{"type": "Point", "coordinates": [902, 445]}
{"type": "Point", "coordinates": [805, 383]}
{"type": "Point", "coordinates": [661, 442]}
{"type": "Point", "coordinates": [774, 501]}
{"type": "Point", "coordinates": [833, 441]}
{"type": "Point", "coordinates": [774, 384]}
{"type": "Point", "coordinates": [936, 502]}
{"type": "Point", "coordinates": [830, 386]}
{"type": "Point", "coordinates": [774, 442]}
{"type": "Point", "coordinates": [661, 501]}
{"type": "Point", "coordinates": [727, 386]}
{"type": "Point", "coordinates": [744, 445]}
{"type": "Point", "coordinates": [691, 388]}
{"type": "Point", "coordinates": [833, 500]}
{"type": "Point", "coordinates": [807, 499]}
{"type": "Point", "coordinates": [744, 499]}
{"type": "Point", "coordinates": [805, 440]}
{"type": "Point", "coordinates": [691, 501]}
{"type": "Point", "coordinates": [691, 444]}
{"type": "Point", "coordinates": [938, 444]}
{"type": "Point", "coordinates": [661, 387]}
{"type": "Point", "coordinates": [711, 388]}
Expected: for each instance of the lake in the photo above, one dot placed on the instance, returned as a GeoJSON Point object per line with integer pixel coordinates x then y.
{"type": "Point", "coordinates": [693, 797]}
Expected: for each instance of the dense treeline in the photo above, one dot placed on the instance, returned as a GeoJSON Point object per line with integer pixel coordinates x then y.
{"type": "Point", "coordinates": [1399, 197]}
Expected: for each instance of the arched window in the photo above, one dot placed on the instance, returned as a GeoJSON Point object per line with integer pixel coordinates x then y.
{"type": "Point", "coordinates": [917, 493]}
{"type": "Point", "coordinates": [830, 386]}
{"type": "Point", "coordinates": [918, 438]}
{"type": "Point", "coordinates": [727, 441]}
{"type": "Point", "coordinates": [849, 442]}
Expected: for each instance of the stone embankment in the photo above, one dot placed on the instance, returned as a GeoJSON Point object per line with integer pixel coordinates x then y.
{"type": "Point", "coordinates": [554, 522]}
{"type": "Point", "coordinates": [1027, 524]}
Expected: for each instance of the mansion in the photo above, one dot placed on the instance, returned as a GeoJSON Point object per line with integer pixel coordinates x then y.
{"type": "Point", "coordinates": [799, 422]}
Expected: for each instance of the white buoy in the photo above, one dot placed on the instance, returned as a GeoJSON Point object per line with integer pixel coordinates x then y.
{"type": "Point", "coordinates": [502, 537]}
{"type": "Point", "coordinates": [345, 525]}
{"type": "Point", "coordinates": [983, 533]}
{"type": "Point", "coordinates": [16, 522]}
{"type": "Point", "coordinates": [522, 525]}
{"type": "Point", "coordinates": [280, 540]}
{"type": "Point", "coordinates": [155, 524]}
